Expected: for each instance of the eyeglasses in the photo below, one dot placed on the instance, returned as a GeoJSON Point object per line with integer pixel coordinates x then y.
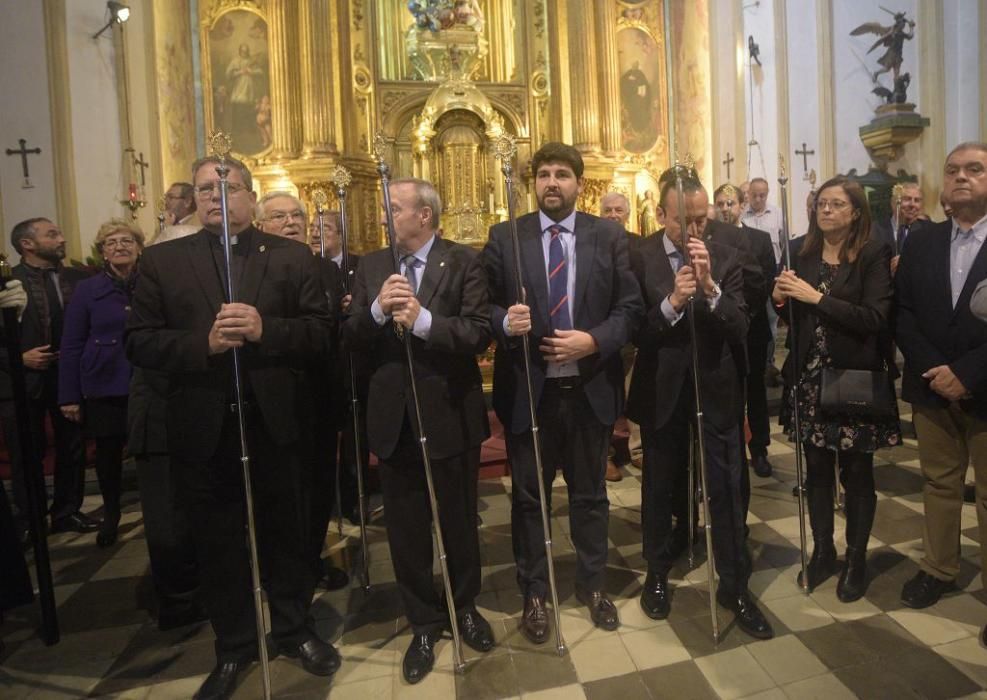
{"type": "Point", "coordinates": [119, 243]}
{"type": "Point", "coordinates": [281, 218]}
{"type": "Point", "coordinates": [835, 205]}
{"type": "Point", "coordinates": [206, 191]}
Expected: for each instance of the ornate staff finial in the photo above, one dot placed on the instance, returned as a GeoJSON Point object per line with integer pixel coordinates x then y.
{"type": "Point", "coordinates": [380, 148]}
{"type": "Point", "coordinates": [161, 205]}
{"type": "Point", "coordinates": [897, 191]}
{"type": "Point", "coordinates": [320, 199]}
{"type": "Point", "coordinates": [220, 144]}
{"type": "Point", "coordinates": [782, 172]}
{"type": "Point", "coordinates": [341, 177]}
{"type": "Point", "coordinates": [504, 147]}
{"type": "Point", "coordinates": [729, 191]}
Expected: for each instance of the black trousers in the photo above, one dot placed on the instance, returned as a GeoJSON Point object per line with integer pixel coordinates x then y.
{"type": "Point", "coordinates": [15, 581]}
{"type": "Point", "coordinates": [170, 544]}
{"type": "Point", "coordinates": [574, 440]}
{"type": "Point", "coordinates": [70, 456]}
{"type": "Point", "coordinates": [347, 458]}
{"type": "Point", "coordinates": [409, 530]}
{"type": "Point", "coordinates": [210, 492]}
{"type": "Point", "coordinates": [666, 454]}
{"type": "Point", "coordinates": [757, 400]}
{"type": "Point", "coordinates": [320, 495]}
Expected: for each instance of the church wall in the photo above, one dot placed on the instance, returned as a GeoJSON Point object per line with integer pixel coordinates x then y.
{"type": "Point", "coordinates": [964, 21]}
{"type": "Point", "coordinates": [802, 46]}
{"type": "Point", "coordinates": [26, 114]}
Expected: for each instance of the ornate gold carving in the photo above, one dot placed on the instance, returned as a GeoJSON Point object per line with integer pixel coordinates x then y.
{"type": "Point", "coordinates": [221, 7]}
{"type": "Point", "coordinates": [593, 190]}
{"type": "Point", "coordinates": [357, 14]}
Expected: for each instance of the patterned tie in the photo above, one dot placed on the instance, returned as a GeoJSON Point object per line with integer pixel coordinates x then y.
{"type": "Point", "coordinates": [558, 282]}
{"type": "Point", "coordinates": [410, 265]}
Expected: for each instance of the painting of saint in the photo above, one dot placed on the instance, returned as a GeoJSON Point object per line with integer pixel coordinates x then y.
{"type": "Point", "coordinates": [640, 105]}
{"type": "Point", "coordinates": [240, 74]}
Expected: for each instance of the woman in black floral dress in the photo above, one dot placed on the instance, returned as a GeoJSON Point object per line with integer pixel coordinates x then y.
{"type": "Point", "coordinates": [840, 284]}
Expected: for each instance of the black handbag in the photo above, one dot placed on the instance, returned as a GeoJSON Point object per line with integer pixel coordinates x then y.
{"type": "Point", "coordinates": [860, 393]}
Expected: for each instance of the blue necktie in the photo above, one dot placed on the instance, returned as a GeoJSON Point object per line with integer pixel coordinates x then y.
{"type": "Point", "coordinates": [558, 283]}
{"type": "Point", "coordinates": [410, 263]}
{"type": "Point", "coordinates": [902, 235]}
{"type": "Point", "coordinates": [675, 259]}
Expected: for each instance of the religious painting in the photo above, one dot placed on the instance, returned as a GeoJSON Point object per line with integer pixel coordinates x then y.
{"type": "Point", "coordinates": [239, 89]}
{"type": "Point", "coordinates": [640, 97]}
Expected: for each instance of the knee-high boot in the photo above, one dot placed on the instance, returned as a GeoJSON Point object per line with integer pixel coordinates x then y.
{"type": "Point", "coordinates": [859, 520]}
{"type": "Point", "coordinates": [822, 565]}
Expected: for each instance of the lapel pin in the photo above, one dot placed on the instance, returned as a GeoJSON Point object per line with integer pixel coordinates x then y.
{"type": "Point", "coordinates": [262, 248]}
{"type": "Point", "coordinates": [442, 264]}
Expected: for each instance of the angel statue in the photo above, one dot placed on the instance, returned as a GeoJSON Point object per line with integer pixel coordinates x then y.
{"type": "Point", "coordinates": [891, 37]}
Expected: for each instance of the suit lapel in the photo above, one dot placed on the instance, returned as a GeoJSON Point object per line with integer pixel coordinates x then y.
{"type": "Point", "coordinates": [978, 271]}
{"type": "Point", "coordinates": [533, 262]}
{"type": "Point", "coordinates": [253, 271]}
{"type": "Point", "coordinates": [663, 276]}
{"type": "Point", "coordinates": [203, 266]}
{"type": "Point", "coordinates": [435, 270]}
{"type": "Point", "coordinates": [586, 239]}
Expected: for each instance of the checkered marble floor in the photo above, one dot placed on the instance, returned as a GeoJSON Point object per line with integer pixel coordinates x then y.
{"type": "Point", "coordinates": [874, 648]}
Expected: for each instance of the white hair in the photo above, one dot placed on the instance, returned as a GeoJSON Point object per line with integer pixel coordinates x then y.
{"type": "Point", "coordinates": [261, 208]}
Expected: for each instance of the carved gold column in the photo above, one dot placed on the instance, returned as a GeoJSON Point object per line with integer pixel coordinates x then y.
{"type": "Point", "coordinates": [318, 121]}
{"type": "Point", "coordinates": [606, 38]}
{"type": "Point", "coordinates": [582, 59]}
{"type": "Point", "coordinates": [693, 103]}
{"type": "Point", "coordinates": [285, 103]}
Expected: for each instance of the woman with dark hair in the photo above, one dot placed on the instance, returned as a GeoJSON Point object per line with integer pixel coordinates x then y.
{"type": "Point", "coordinates": [840, 285]}
{"type": "Point", "coordinates": [93, 371]}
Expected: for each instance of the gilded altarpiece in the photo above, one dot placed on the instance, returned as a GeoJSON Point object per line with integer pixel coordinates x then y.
{"type": "Point", "coordinates": [323, 77]}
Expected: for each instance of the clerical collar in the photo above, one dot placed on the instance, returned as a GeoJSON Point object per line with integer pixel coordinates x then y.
{"type": "Point", "coordinates": [244, 237]}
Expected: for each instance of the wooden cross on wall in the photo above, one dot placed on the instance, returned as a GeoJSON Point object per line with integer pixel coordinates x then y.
{"type": "Point", "coordinates": [143, 165]}
{"type": "Point", "coordinates": [728, 162]}
{"type": "Point", "coordinates": [805, 153]}
{"type": "Point", "coordinates": [23, 152]}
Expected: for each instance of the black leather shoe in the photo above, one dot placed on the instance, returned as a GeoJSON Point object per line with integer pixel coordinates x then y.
{"type": "Point", "coordinates": [601, 609]}
{"type": "Point", "coordinates": [923, 590]}
{"type": "Point", "coordinates": [333, 578]}
{"type": "Point", "coordinates": [656, 596]}
{"type": "Point", "coordinates": [108, 531]}
{"type": "Point", "coordinates": [749, 617]}
{"type": "Point", "coordinates": [76, 522]}
{"type": "Point", "coordinates": [761, 465]}
{"type": "Point", "coordinates": [419, 658]}
{"type": "Point", "coordinates": [318, 657]}
{"type": "Point", "coordinates": [220, 684]}
{"type": "Point", "coordinates": [476, 631]}
{"type": "Point", "coordinates": [534, 622]}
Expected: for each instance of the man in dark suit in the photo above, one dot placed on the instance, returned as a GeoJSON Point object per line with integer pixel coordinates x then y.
{"type": "Point", "coordinates": [672, 268]}
{"type": "Point", "coordinates": [180, 325]}
{"type": "Point", "coordinates": [945, 374]}
{"type": "Point", "coordinates": [49, 286]}
{"type": "Point", "coordinates": [440, 298]}
{"type": "Point", "coordinates": [895, 232]}
{"type": "Point", "coordinates": [581, 308]}
{"type": "Point", "coordinates": [729, 203]}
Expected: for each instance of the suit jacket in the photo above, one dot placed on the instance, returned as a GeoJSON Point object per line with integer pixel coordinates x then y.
{"type": "Point", "coordinates": [147, 413]}
{"type": "Point", "coordinates": [178, 296]}
{"type": "Point", "coordinates": [764, 254]}
{"type": "Point", "coordinates": [929, 331]}
{"type": "Point", "coordinates": [453, 288]}
{"type": "Point", "coordinates": [35, 329]}
{"type": "Point", "coordinates": [607, 305]}
{"type": "Point", "coordinates": [881, 231]}
{"type": "Point", "coordinates": [664, 358]}
{"type": "Point", "coordinates": [756, 290]}
{"type": "Point", "coordinates": [856, 314]}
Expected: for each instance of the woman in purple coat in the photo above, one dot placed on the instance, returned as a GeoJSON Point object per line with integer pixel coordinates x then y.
{"type": "Point", "coordinates": [94, 374]}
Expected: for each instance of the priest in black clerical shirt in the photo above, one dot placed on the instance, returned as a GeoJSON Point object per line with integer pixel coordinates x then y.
{"type": "Point", "coordinates": [181, 325]}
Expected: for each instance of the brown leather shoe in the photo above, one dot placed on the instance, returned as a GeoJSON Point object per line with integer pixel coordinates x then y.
{"type": "Point", "coordinates": [613, 471]}
{"type": "Point", "coordinates": [534, 621]}
{"type": "Point", "coordinates": [601, 609]}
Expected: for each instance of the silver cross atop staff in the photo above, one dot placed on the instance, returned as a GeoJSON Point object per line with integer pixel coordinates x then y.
{"type": "Point", "coordinates": [504, 149]}
{"type": "Point", "coordinates": [320, 199]}
{"type": "Point", "coordinates": [341, 177]}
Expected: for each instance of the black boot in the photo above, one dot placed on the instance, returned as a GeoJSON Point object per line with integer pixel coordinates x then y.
{"type": "Point", "coordinates": [859, 520]}
{"type": "Point", "coordinates": [822, 564]}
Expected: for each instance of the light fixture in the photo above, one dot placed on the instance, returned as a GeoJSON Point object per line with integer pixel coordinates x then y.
{"type": "Point", "coordinates": [119, 13]}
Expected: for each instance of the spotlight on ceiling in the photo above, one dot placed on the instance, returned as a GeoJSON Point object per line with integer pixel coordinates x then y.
{"type": "Point", "coordinates": [119, 13]}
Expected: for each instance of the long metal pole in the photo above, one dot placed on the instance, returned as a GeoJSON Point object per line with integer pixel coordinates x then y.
{"type": "Point", "coordinates": [31, 468]}
{"type": "Point", "coordinates": [786, 255]}
{"type": "Point", "coordinates": [692, 497]}
{"type": "Point", "coordinates": [321, 219]}
{"type": "Point", "coordinates": [458, 661]}
{"type": "Point", "coordinates": [223, 170]}
{"type": "Point", "coordinates": [700, 429]}
{"type": "Point", "coordinates": [507, 170]}
{"type": "Point", "coordinates": [354, 396]}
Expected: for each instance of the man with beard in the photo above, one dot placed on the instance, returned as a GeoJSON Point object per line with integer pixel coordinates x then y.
{"type": "Point", "coordinates": [729, 202]}
{"type": "Point", "coordinates": [581, 307]}
{"type": "Point", "coordinates": [180, 218]}
{"type": "Point", "coordinates": [181, 325]}
{"type": "Point", "coordinates": [673, 267]}
{"type": "Point", "coordinates": [283, 214]}
{"type": "Point", "coordinates": [49, 286]}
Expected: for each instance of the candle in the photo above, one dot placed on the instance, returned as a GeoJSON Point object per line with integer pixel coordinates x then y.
{"type": "Point", "coordinates": [133, 192]}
